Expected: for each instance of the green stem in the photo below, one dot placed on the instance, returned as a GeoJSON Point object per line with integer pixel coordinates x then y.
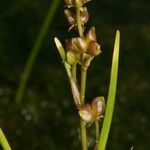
{"type": "Point", "coordinates": [83, 135]}
{"type": "Point", "coordinates": [83, 85]}
{"type": "Point", "coordinates": [82, 98]}
{"type": "Point", "coordinates": [74, 72]}
{"type": "Point", "coordinates": [80, 29]}
{"type": "Point", "coordinates": [97, 130]}
{"type": "Point", "coordinates": [4, 141]}
{"type": "Point", "coordinates": [35, 50]}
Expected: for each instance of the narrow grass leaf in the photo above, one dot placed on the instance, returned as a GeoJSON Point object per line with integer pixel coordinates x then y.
{"type": "Point", "coordinates": [35, 49]}
{"type": "Point", "coordinates": [60, 49]}
{"type": "Point", "coordinates": [111, 95]}
{"type": "Point", "coordinates": [4, 141]}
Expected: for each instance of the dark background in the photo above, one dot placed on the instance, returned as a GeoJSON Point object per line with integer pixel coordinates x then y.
{"type": "Point", "coordinates": [46, 119]}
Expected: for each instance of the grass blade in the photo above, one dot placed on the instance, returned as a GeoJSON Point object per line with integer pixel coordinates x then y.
{"type": "Point", "coordinates": [35, 50]}
{"type": "Point", "coordinates": [111, 95]}
{"type": "Point", "coordinates": [4, 141]}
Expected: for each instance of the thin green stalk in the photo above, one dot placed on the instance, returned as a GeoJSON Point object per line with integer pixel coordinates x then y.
{"type": "Point", "coordinates": [111, 95]}
{"type": "Point", "coordinates": [4, 141]}
{"type": "Point", "coordinates": [83, 135]}
{"type": "Point", "coordinates": [35, 50]}
{"type": "Point", "coordinates": [80, 29]}
{"type": "Point", "coordinates": [82, 86]}
{"type": "Point", "coordinates": [97, 130]}
{"type": "Point", "coordinates": [74, 72]}
{"type": "Point", "coordinates": [82, 98]}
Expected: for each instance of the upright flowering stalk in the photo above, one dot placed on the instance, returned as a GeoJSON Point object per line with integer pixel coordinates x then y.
{"type": "Point", "coordinates": [81, 50]}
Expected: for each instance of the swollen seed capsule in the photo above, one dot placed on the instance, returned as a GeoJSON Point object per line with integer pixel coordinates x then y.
{"type": "Point", "coordinates": [98, 105]}
{"type": "Point", "coordinates": [72, 57]}
{"type": "Point", "coordinates": [69, 17]}
{"type": "Point", "coordinates": [93, 49]}
{"type": "Point", "coordinates": [91, 35]}
{"type": "Point", "coordinates": [86, 115]}
{"type": "Point", "coordinates": [79, 45]}
{"type": "Point", "coordinates": [84, 16]}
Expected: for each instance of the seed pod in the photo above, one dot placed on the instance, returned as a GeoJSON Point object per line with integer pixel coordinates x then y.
{"type": "Point", "coordinates": [70, 17]}
{"type": "Point", "coordinates": [76, 44]}
{"type": "Point", "coordinates": [79, 45]}
{"type": "Point", "coordinates": [86, 116]}
{"type": "Point", "coordinates": [84, 15]}
{"type": "Point", "coordinates": [93, 49]}
{"type": "Point", "coordinates": [72, 57]}
{"type": "Point", "coordinates": [90, 113]}
{"type": "Point", "coordinates": [98, 105]}
{"type": "Point", "coordinates": [91, 35]}
{"type": "Point", "coordinates": [85, 113]}
{"type": "Point", "coordinates": [68, 45]}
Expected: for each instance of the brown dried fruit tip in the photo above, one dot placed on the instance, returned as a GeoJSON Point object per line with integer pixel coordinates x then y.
{"type": "Point", "coordinates": [93, 47]}
{"type": "Point", "coordinates": [72, 17]}
{"type": "Point", "coordinates": [76, 3]}
{"type": "Point", "coordinates": [90, 113]}
{"type": "Point", "coordinates": [84, 15]}
{"type": "Point", "coordinates": [91, 35]}
{"type": "Point", "coordinates": [98, 105]}
{"type": "Point", "coordinates": [87, 45]}
{"type": "Point", "coordinates": [76, 44]}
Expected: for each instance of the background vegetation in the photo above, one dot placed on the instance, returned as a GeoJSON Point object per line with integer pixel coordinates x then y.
{"type": "Point", "coordinates": [46, 118]}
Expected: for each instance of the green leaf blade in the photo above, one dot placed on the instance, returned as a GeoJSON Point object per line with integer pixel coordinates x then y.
{"type": "Point", "coordinates": [4, 141]}
{"type": "Point", "coordinates": [60, 49]}
{"type": "Point", "coordinates": [35, 49]}
{"type": "Point", "coordinates": [111, 95]}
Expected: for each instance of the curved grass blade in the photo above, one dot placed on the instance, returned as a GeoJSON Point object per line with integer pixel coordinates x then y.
{"type": "Point", "coordinates": [4, 141]}
{"type": "Point", "coordinates": [111, 95]}
{"type": "Point", "coordinates": [35, 50]}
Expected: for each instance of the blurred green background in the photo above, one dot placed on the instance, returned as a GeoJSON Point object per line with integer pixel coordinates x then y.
{"type": "Point", "coordinates": [46, 119]}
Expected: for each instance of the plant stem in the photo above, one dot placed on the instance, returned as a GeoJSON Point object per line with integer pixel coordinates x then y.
{"type": "Point", "coordinates": [4, 141]}
{"type": "Point", "coordinates": [82, 98]}
{"type": "Point", "coordinates": [97, 130]}
{"type": "Point", "coordinates": [74, 72]}
{"type": "Point", "coordinates": [82, 86]}
{"type": "Point", "coordinates": [35, 50]}
{"type": "Point", "coordinates": [83, 135]}
{"type": "Point", "coordinates": [80, 29]}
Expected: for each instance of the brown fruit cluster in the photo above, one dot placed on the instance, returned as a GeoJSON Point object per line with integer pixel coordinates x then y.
{"type": "Point", "coordinates": [88, 44]}
{"type": "Point", "coordinates": [81, 50]}
{"type": "Point", "coordinates": [71, 14]}
{"type": "Point", "coordinates": [77, 46]}
{"type": "Point", "coordinates": [92, 112]}
{"type": "Point", "coordinates": [71, 17]}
